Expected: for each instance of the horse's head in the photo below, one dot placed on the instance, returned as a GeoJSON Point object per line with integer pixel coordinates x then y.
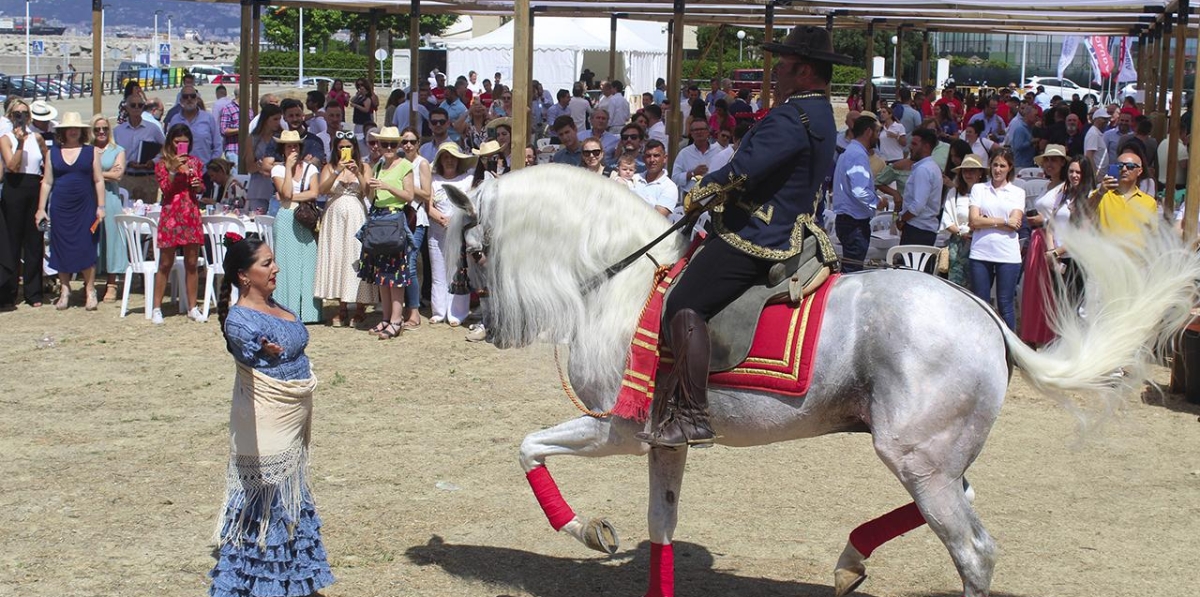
{"type": "Point", "coordinates": [470, 230]}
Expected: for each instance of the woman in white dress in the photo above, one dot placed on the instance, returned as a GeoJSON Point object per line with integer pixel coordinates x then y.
{"type": "Point", "coordinates": [451, 167]}
{"type": "Point", "coordinates": [343, 181]}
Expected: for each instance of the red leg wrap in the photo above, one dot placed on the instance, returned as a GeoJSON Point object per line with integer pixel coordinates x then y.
{"type": "Point", "coordinates": [870, 535]}
{"type": "Point", "coordinates": [662, 571]}
{"type": "Point", "coordinates": [549, 498]}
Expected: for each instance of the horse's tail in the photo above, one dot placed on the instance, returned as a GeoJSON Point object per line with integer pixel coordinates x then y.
{"type": "Point", "coordinates": [1138, 295]}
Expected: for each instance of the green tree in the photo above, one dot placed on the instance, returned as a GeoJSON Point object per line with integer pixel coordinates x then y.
{"type": "Point", "coordinates": [280, 26]}
{"type": "Point", "coordinates": [853, 43]}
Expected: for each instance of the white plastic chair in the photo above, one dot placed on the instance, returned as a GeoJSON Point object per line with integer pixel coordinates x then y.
{"type": "Point", "coordinates": [542, 143]}
{"type": "Point", "coordinates": [1031, 173]}
{"type": "Point", "coordinates": [124, 195]}
{"type": "Point", "coordinates": [922, 258]}
{"type": "Point", "coordinates": [1034, 189]}
{"type": "Point", "coordinates": [215, 228]}
{"type": "Point", "coordinates": [138, 232]}
{"type": "Point", "coordinates": [266, 229]}
{"type": "Point", "coordinates": [882, 223]}
{"type": "Point", "coordinates": [244, 179]}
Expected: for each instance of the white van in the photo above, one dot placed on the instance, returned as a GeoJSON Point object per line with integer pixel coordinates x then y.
{"type": "Point", "coordinates": [204, 72]}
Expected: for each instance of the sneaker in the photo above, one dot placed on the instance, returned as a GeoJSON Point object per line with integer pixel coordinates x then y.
{"type": "Point", "coordinates": [196, 315]}
{"type": "Point", "coordinates": [156, 317]}
{"type": "Point", "coordinates": [476, 333]}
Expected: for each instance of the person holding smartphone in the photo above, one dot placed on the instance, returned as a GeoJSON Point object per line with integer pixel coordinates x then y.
{"type": "Point", "coordinates": [24, 154]}
{"type": "Point", "coordinates": [1119, 204]}
{"type": "Point", "coordinates": [180, 177]}
{"type": "Point", "coordinates": [344, 181]}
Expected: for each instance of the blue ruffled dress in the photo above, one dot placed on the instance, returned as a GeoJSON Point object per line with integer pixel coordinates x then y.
{"type": "Point", "coordinates": [293, 562]}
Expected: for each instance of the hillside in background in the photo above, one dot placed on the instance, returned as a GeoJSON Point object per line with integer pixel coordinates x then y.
{"type": "Point", "coordinates": [129, 13]}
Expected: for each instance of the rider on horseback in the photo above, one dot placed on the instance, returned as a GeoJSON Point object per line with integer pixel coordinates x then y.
{"type": "Point", "coordinates": [780, 168]}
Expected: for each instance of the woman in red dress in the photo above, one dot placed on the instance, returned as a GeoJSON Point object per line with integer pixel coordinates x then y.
{"type": "Point", "coordinates": [181, 179]}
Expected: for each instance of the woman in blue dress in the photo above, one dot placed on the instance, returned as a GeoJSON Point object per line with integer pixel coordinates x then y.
{"type": "Point", "coordinates": [114, 258]}
{"type": "Point", "coordinates": [269, 532]}
{"type": "Point", "coordinates": [74, 189]}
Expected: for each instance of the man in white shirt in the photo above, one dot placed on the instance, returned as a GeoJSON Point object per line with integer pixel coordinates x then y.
{"type": "Point", "coordinates": [658, 128]}
{"type": "Point", "coordinates": [600, 130]}
{"type": "Point", "coordinates": [698, 158]}
{"type": "Point", "coordinates": [1181, 161]}
{"type": "Point", "coordinates": [403, 112]}
{"type": "Point", "coordinates": [579, 107]}
{"type": "Point", "coordinates": [333, 115]}
{"type": "Point", "coordinates": [1093, 142]}
{"type": "Point", "coordinates": [314, 102]}
{"type": "Point", "coordinates": [657, 188]}
{"type": "Point", "coordinates": [618, 107]}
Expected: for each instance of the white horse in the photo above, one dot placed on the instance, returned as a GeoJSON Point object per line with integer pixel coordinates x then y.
{"type": "Point", "coordinates": [891, 359]}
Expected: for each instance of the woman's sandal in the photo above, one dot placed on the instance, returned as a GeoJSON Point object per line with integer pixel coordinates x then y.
{"type": "Point", "coordinates": [390, 330]}
{"type": "Point", "coordinates": [360, 314]}
{"type": "Point", "coordinates": [378, 327]}
{"type": "Point", "coordinates": [340, 319]}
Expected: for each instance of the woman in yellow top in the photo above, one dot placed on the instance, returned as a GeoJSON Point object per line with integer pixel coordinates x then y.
{"type": "Point", "coordinates": [1119, 204]}
{"type": "Point", "coordinates": [391, 188]}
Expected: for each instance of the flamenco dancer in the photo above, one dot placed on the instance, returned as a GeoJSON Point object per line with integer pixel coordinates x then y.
{"type": "Point", "coordinates": [269, 532]}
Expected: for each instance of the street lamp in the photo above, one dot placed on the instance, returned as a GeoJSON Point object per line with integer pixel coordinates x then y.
{"type": "Point", "coordinates": [103, 10]}
{"type": "Point", "coordinates": [27, 42]}
{"type": "Point", "coordinates": [741, 35]}
{"type": "Point", "coordinates": [155, 43]}
{"type": "Point", "coordinates": [896, 60]}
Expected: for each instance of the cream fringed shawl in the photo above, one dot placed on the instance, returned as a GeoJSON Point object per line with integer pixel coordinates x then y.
{"type": "Point", "coordinates": [268, 435]}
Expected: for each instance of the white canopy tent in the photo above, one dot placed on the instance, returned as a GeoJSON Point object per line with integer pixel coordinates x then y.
{"type": "Point", "coordinates": [563, 47]}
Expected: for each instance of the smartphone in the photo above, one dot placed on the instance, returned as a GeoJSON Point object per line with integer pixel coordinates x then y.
{"type": "Point", "coordinates": [347, 154]}
{"type": "Point", "coordinates": [181, 148]}
{"type": "Point", "coordinates": [1114, 170]}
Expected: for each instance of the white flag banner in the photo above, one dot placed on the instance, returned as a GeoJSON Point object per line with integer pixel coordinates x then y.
{"type": "Point", "coordinates": [1069, 47]}
{"type": "Point", "coordinates": [1128, 72]}
{"type": "Point", "coordinates": [1097, 76]}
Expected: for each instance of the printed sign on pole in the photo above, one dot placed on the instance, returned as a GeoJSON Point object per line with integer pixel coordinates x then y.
{"type": "Point", "coordinates": [164, 54]}
{"type": "Point", "coordinates": [37, 47]}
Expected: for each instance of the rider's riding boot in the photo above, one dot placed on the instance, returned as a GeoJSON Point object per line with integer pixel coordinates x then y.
{"type": "Point", "coordinates": [684, 421]}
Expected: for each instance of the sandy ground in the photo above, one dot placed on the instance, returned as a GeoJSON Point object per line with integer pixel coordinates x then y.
{"type": "Point", "coordinates": [115, 443]}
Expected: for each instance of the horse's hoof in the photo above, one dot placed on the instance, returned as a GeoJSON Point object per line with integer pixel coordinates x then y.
{"type": "Point", "coordinates": [601, 536]}
{"type": "Point", "coordinates": [845, 581]}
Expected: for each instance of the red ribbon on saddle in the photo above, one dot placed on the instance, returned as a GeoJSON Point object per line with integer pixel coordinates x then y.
{"type": "Point", "coordinates": [637, 383]}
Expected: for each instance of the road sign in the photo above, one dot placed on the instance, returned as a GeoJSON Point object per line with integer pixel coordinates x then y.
{"type": "Point", "coordinates": [164, 54]}
{"type": "Point", "coordinates": [37, 47]}
{"type": "Point", "coordinates": [381, 54]}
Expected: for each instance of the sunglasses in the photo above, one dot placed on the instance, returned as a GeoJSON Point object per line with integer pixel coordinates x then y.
{"type": "Point", "coordinates": [1128, 165]}
{"type": "Point", "coordinates": [372, 143]}
{"type": "Point", "coordinates": [408, 141]}
{"type": "Point", "coordinates": [507, 98]}
{"type": "Point", "coordinates": [100, 129]}
{"type": "Point", "coordinates": [438, 122]}
{"type": "Point", "coordinates": [631, 137]}
{"type": "Point", "coordinates": [135, 106]}
{"type": "Point", "coordinates": [389, 145]}
{"type": "Point", "coordinates": [593, 152]}
{"type": "Point", "coordinates": [189, 96]}
{"type": "Point", "coordinates": [344, 135]}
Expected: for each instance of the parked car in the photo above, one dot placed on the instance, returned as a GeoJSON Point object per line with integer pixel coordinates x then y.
{"type": "Point", "coordinates": [1064, 88]}
{"type": "Point", "coordinates": [226, 79]}
{"type": "Point", "coordinates": [205, 73]}
{"type": "Point", "coordinates": [748, 78]}
{"type": "Point", "coordinates": [23, 87]}
{"type": "Point", "coordinates": [315, 81]}
{"type": "Point", "coordinates": [1139, 95]}
{"type": "Point", "coordinates": [885, 87]}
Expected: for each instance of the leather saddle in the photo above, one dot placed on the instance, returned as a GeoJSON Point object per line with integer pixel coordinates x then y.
{"type": "Point", "coordinates": [731, 331]}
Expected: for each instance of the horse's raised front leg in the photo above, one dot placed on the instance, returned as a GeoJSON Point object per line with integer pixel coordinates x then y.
{"type": "Point", "coordinates": [584, 436]}
{"type": "Point", "coordinates": [666, 478]}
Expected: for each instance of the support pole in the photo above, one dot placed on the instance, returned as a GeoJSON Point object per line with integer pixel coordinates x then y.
{"type": "Point", "coordinates": [768, 59]}
{"type": "Point", "coordinates": [372, 44]}
{"type": "Point", "coordinates": [245, 101]}
{"type": "Point", "coordinates": [1176, 108]}
{"type": "Point", "coordinates": [251, 70]}
{"type": "Point", "coordinates": [414, 66]}
{"type": "Point", "coordinates": [923, 72]}
{"type": "Point", "coordinates": [868, 89]}
{"type": "Point", "coordinates": [1191, 209]}
{"type": "Point", "coordinates": [522, 80]}
{"type": "Point", "coordinates": [900, 57]}
{"type": "Point", "coordinates": [829, 22]}
{"type": "Point", "coordinates": [97, 55]}
{"type": "Point", "coordinates": [1164, 66]}
{"type": "Point", "coordinates": [300, 57]}
{"type": "Point", "coordinates": [1142, 79]}
{"type": "Point", "coordinates": [674, 76]}
{"type": "Point", "coordinates": [612, 47]}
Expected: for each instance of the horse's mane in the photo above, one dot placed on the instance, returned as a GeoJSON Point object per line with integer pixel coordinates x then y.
{"type": "Point", "coordinates": [553, 228]}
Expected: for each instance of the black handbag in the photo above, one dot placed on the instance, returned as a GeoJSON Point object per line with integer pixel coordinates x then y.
{"type": "Point", "coordinates": [385, 234]}
{"type": "Point", "coordinates": [307, 213]}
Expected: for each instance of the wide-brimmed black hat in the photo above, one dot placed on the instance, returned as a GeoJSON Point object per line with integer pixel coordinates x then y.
{"type": "Point", "coordinates": [813, 43]}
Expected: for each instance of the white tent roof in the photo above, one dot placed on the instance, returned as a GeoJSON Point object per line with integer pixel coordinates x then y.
{"type": "Point", "coordinates": [562, 33]}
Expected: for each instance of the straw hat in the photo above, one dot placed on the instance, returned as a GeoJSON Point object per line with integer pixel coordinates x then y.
{"type": "Point", "coordinates": [489, 147]}
{"type": "Point", "coordinates": [970, 162]}
{"type": "Point", "coordinates": [502, 121]}
{"type": "Point", "coordinates": [287, 137]}
{"type": "Point", "coordinates": [42, 111]}
{"type": "Point", "coordinates": [1052, 151]}
{"type": "Point", "coordinates": [452, 148]}
{"type": "Point", "coordinates": [72, 120]}
{"type": "Point", "coordinates": [387, 133]}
